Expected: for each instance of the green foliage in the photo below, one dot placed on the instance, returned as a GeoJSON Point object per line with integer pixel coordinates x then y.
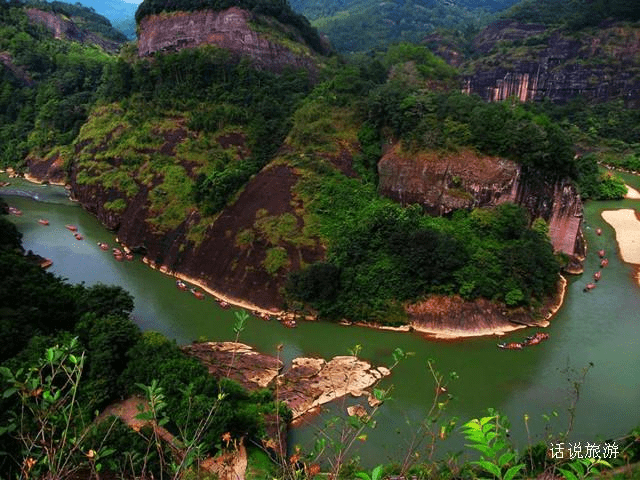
{"type": "Point", "coordinates": [276, 259]}
{"type": "Point", "coordinates": [611, 187]}
{"type": "Point", "coordinates": [86, 18]}
{"type": "Point", "coordinates": [381, 255]}
{"type": "Point", "coordinates": [596, 184]}
{"type": "Point", "coordinates": [489, 436]}
{"type": "Point", "coordinates": [365, 26]}
{"type": "Point", "coordinates": [118, 205]}
{"type": "Point", "coordinates": [47, 96]}
{"type": "Point", "coordinates": [432, 120]}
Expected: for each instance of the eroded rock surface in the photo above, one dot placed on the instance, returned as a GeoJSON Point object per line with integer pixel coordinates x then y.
{"type": "Point", "coordinates": [311, 382]}
{"type": "Point", "coordinates": [442, 183]}
{"type": "Point", "coordinates": [228, 29]}
{"type": "Point", "coordinates": [237, 361]}
{"type": "Point", "coordinates": [531, 62]}
{"type": "Point", "coordinates": [307, 384]}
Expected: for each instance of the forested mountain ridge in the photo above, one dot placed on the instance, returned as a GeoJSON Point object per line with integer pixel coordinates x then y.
{"type": "Point", "coordinates": [364, 25]}
{"type": "Point", "coordinates": [50, 72]}
{"type": "Point", "coordinates": [246, 179]}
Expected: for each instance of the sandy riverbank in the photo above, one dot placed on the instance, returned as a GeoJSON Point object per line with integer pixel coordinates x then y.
{"type": "Point", "coordinates": [236, 302]}
{"type": "Point", "coordinates": [627, 226]}
{"type": "Point", "coordinates": [632, 193]}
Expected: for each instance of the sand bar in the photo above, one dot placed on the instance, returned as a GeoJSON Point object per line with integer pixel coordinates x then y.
{"type": "Point", "coordinates": [632, 193]}
{"type": "Point", "coordinates": [627, 226]}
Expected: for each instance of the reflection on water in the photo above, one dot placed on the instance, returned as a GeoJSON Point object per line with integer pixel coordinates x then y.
{"type": "Point", "coordinates": [601, 326]}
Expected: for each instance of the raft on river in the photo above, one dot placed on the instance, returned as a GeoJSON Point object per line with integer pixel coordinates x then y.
{"type": "Point", "coordinates": [531, 340]}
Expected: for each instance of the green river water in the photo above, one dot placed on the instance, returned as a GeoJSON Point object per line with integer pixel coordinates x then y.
{"type": "Point", "coordinates": [602, 327]}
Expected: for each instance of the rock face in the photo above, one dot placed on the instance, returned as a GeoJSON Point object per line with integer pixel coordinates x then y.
{"type": "Point", "coordinates": [66, 29]}
{"type": "Point", "coordinates": [309, 383]}
{"type": "Point", "coordinates": [236, 361]}
{"type": "Point", "coordinates": [50, 169]}
{"type": "Point", "coordinates": [444, 183]}
{"type": "Point", "coordinates": [532, 63]}
{"type": "Point", "coordinates": [218, 261]}
{"type": "Point", "coordinates": [228, 29]}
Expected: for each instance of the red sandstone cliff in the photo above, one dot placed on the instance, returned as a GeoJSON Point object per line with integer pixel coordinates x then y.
{"type": "Point", "coordinates": [442, 183]}
{"type": "Point", "coordinates": [231, 30]}
{"type": "Point", "coordinates": [532, 62]}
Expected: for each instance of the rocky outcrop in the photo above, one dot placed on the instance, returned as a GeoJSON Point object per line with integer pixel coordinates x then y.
{"type": "Point", "coordinates": [531, 62]}
{"type": "Point", "coordinates": [442, 183]}
{"type": "Point", "coordinates": [306, 385]}
{"type": "Point", "coordinates": [49, 169]}
{"type": "Point", "coordinates": [229, 29]}
{"type": "Point", "coordinates": [312, 382]}
{"type": "Point", "coordinates": [7, 62]}
{"type": "Point", "coordinates": [218, 261]}
{"type": "Point", "coordinates": [68, 30]}
{"type": "Point", "coordinates": [236, 361]}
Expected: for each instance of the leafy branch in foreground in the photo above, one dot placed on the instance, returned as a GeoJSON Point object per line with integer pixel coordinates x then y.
{"type": "Point", "coordinates": [47, 420]}
{"type": "Point", "coordinates": [488, 435]}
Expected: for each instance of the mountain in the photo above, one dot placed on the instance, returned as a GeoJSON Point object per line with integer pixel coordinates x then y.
{"type": "Point", "coordinates": [363, 25]}
{"type": "Point", "coordinates": [231, 147]}
{"type": "Point", "coordinates": [121, 14]}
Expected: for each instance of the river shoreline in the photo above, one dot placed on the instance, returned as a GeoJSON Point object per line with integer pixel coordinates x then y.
{"type": "Point", "coordinates": [626, 224]}
{"type": "Point", "coordinates": [443, 332]}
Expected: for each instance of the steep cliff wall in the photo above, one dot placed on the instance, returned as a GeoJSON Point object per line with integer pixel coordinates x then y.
{"type": "Point", "coordinates": [68, 30]}
{"type": "Point", "coordinates": [220, 261]}
{"type": "Point", "coordinates": [229, 29]}
{"type": "Point", "coordinates": [532, 63]}
{"type": "Point", "coordinates": [444, 183]}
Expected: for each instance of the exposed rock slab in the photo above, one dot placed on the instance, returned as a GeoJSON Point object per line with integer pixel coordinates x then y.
{"type": "Point", "coordinates": [442, 183]}
{"type": "Point", "coordinates": [312, 382]}
{"type": "Point", "coordinates": [444, 317]}
{"type": "Point", "coordinates": [445, 182]}
{"type": "Point", "coordinates": [237, 361]}
{"type": "Point", "coordinates": [228, 29]}
{"type": "Point", "coordinates": [309, 383]}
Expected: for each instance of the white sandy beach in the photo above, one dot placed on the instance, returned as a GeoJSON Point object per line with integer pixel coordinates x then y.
{"type": "Point", "coordinates": [632, 193]}
{"type": "Point", "coordinates": [627, 226]}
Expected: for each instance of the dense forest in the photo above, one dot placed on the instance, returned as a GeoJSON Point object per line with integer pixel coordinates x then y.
{"type": "Point", "coordinates": [67, 351]}
{"type": "Point", "coordinates": [47, 96]}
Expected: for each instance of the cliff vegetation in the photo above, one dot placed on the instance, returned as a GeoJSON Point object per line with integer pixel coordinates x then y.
{"type": "Point", "coordinates": [47, 85]}
{"type": "Point", "coordinates": [188, 153]}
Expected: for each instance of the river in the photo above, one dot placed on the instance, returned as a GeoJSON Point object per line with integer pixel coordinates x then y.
{"type": "Point", "coordinates": [600, 327]}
